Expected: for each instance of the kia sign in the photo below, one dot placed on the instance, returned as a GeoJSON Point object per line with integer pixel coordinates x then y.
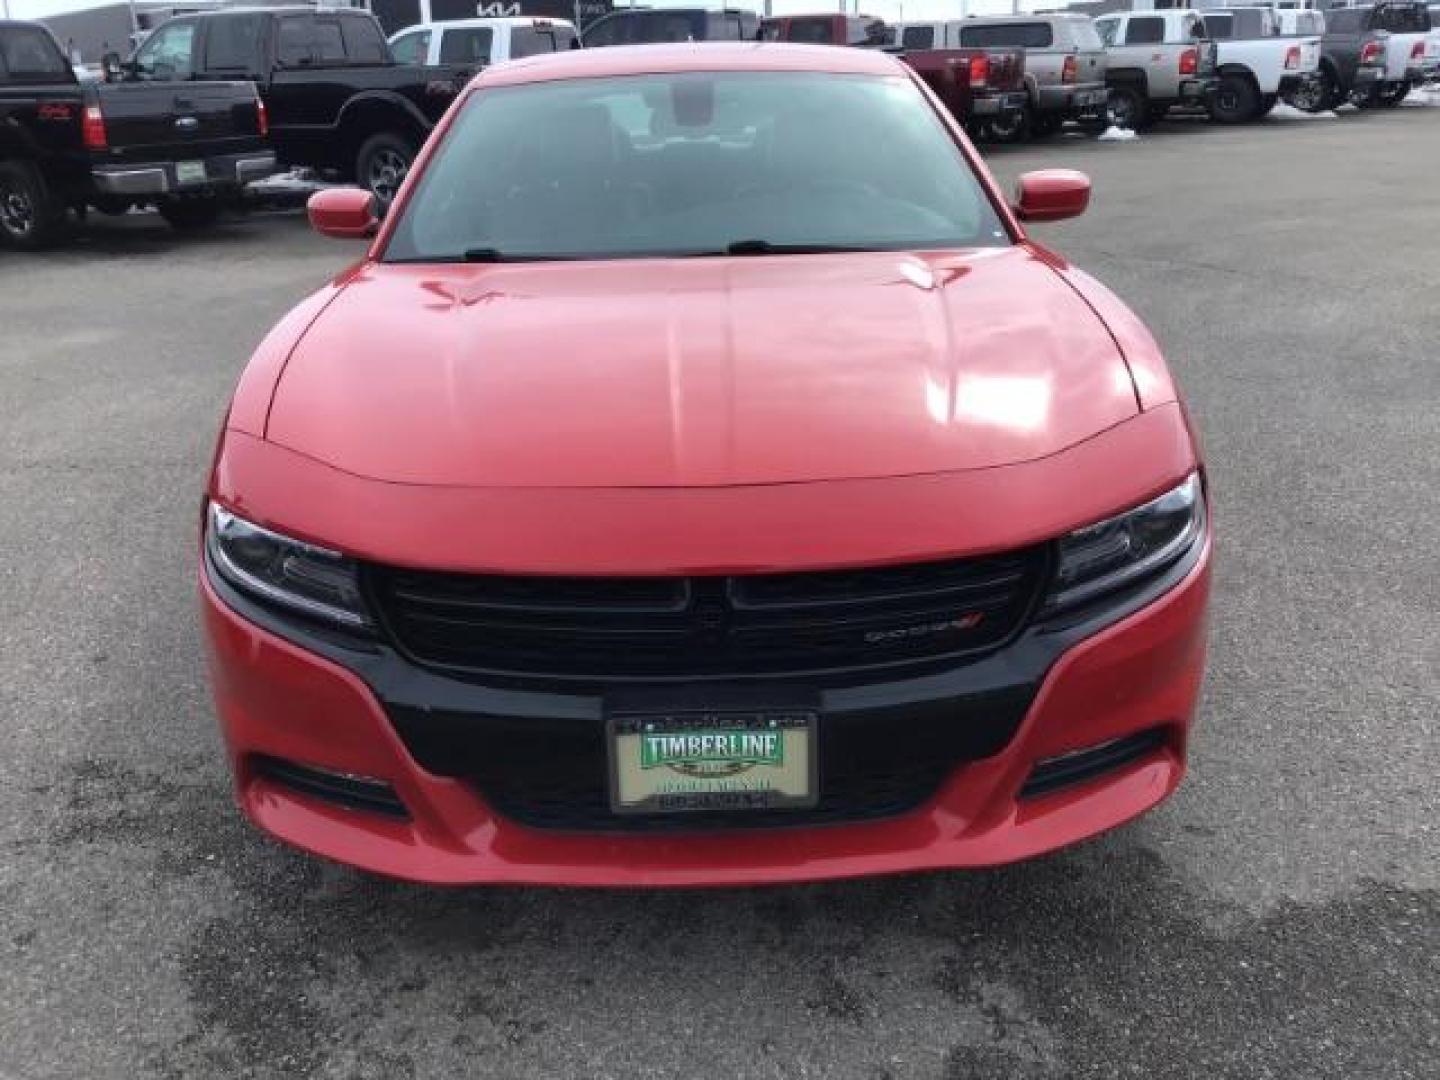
{"type": "Point", "coordinates": [397, 14]}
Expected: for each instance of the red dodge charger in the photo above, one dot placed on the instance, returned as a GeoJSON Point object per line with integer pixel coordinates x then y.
{"type": "Point", "coordinates": [702, 479]}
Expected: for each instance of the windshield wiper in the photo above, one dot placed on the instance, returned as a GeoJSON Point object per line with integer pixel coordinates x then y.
{"type": "Point", "coordinates": [495, 255]}
{"type": "Point", "coordinates": [766, 247]}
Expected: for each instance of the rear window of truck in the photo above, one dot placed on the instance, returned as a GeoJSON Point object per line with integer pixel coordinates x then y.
{"type": "Point", "coordinates": [812, 31]}
{"type": "Point", "coordinates": [29, 55]}
{"type": "Point", "coordinates": [1343, 21]}
{"type": "Point", "coordinates": [917, 37]}
{"type": "Point", "coordinates": [532, 40]}
{"type": "Point", "coordinates": [1398, 19]}
{"type": "Point", "coordinates": [364, 43]}
{"type": "Point", "coordinates": [233, 42]}
{"type": "Point", "coordinates": [1034, 35]}
{"type": "Point", "coordinates": [1145, 31]}
{"type": "Point", "coordinates": [1220, 27]}
{"type": "Point", "coordinates": [466, 45]}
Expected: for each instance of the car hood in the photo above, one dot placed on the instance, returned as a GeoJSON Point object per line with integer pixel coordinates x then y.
{"type": "Point", "coordinates": [701, 372]}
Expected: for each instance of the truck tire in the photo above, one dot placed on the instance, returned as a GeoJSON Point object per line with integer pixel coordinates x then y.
{"type": "Point", "coordinates": [1236, 101]}
{"type": "Point", "coordinates": [382, 164]}
{"type": "Point", "coordinates": [1128, 107]}
{"type": "Point", "coordinates": [1267, 104]}
{"type": "Point", "coordinates": [1316, 96]}
{"type": "Point", "coordinates": [190, 215]}
{"type": "Point", "coordinates": [31, 217]}
{"type": "Point", "coordinates": [1014, 128]}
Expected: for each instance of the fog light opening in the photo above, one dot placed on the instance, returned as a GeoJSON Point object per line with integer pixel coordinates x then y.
{"type": "Point", "coordinates": [1079, 766]}
{"type": "Point", "coordinates": [351, 790]}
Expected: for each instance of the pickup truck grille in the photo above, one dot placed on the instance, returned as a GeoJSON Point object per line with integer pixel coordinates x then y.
{"type": "Point", "coordinates": [681, 627]}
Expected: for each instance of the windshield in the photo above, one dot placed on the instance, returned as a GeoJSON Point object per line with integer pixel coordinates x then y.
{"type": "Point", "coordinates": [694, 163]}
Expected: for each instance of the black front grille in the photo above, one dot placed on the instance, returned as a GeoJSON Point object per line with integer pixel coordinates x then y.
{"type": "Point", "coordinates": [553, 772]}
{"type": "Point", "coordinates": [662, 627]}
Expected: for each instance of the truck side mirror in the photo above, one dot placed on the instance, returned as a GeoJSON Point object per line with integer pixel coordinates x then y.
{"type": "Point", "coordinates": [1051, 195]}
{"type": "Point", "coordinates": [343, 213]}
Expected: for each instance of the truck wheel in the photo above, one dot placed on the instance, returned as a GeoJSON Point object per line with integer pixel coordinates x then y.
{"type": "Point", "coordinates": [1013, 127]}
{"type": "Point", "coordinates": [383, 163]}
{"type": "Point", "coordinates": [1236, 101]}
{"type": "Point", "coordinates": [31, 216]}
{"type": "Point", "coordinates": [189, 215]}
{"type": "Point", "coordinates": [1127, 108]}
{"type": "Point", "coordinates": [1267, 104]}
{"type": "Point", "coordinates": [1315, 96]}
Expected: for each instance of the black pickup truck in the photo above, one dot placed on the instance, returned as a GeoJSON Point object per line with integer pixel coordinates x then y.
{"type": "Point", "coordinates": [67, 145]}
{"type": "Point", "coordinates": [336, 97]}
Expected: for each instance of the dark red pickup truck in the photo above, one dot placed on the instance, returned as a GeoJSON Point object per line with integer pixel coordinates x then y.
{"type": "Point", "coordinates": [977, 85]}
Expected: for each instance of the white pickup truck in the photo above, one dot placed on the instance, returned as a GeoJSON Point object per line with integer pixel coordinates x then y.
{"type": "Point", "coordinates": [481, 41]}
{"type": "Point", "coordinates": [1256, 66]}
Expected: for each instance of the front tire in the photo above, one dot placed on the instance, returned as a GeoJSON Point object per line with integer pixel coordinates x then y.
{"type": "Point", "coordinates": [1236, 101]}
{"type": "Point", "coordinates": [383, 163]}
{"type": "Point", "coordinates": [190, 215]}
{"type": "Point", "coordinates": [31, 217]}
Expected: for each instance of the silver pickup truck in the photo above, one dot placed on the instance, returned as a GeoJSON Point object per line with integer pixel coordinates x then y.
{"type": "Point", "coordinates": [1158, 59]}
{"type": "Point", "coordinates": [1064, 68]}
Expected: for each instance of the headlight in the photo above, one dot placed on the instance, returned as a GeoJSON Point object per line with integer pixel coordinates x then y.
{"type": "Point", "coordinates": [273, 568]}
{"type": "Point", "coordinates": [1127, 548]}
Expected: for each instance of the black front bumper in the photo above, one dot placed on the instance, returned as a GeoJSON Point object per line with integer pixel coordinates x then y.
{"type": "Point", "coordinates": [536, 749]}
{"type": "Point", "coordinates": [196, 176]}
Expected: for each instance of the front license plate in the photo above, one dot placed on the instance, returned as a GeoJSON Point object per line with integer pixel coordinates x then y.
{"type": "Point", "coordinates": [190, 172]}
{"type": "Point", "coordinates": [662, 764]}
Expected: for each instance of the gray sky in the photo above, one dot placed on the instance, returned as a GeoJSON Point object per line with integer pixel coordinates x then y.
{"type": "Point", "coordinates": [886, 9]}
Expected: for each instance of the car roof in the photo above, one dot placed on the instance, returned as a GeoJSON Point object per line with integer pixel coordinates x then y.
{"type": "Point", "coordinates": [1023, 16]}
{"type": "Point", "coordinates": [689, 56]}
{"type": "Point", "coordinates": [497, 20]}
{"type": "Point", "coordinates": [276, 9]}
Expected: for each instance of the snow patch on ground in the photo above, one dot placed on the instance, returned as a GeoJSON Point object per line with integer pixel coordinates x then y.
{"type": "Point", "coordinates": [1289, 112]}
{"type": "Point", "coordinates": [294, 182]}
{"type": "Point", "coordinates": [1422, 97]}
{"type": "Point", "coordinates": [1118, 134]}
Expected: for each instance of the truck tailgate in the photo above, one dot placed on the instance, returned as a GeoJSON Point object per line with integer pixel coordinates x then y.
{"type": "Point", "coordinates": [1007, 68]}
{"type": "Point", "coordinates": [1398, 52]}
{"type": "Point", "coordinates": [1310, 54]}
{"type": "Point", "coordinates": [150, 120]}
{"type": "Point", "coordinates": [1091, 65]}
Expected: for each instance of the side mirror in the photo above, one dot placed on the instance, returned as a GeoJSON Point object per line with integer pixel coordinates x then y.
{"type": "Point", "coordinates": [112, 70]}
{"type": "Point", "coordinates": [344, 213]}
{"type": "Point", "coordinates": [1051, 195]}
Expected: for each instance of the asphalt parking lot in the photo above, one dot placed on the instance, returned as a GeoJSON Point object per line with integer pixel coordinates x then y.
{"type": "Point", "coordinates": [1279, 918]}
